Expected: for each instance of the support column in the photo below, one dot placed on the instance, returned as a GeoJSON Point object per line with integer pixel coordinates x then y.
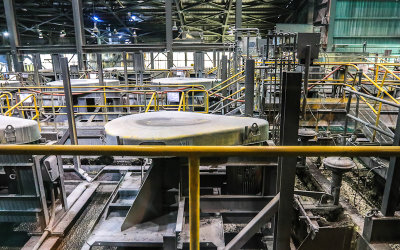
{"type": "Point", "coordinates": [391, 196]}
{"type": "Point", "coordinates": [290, 110]}
{"type": "Point", "coordinates": [168, 33]}
{"type": "Point", "coordinates": [79, 31]}
{"type": "Point", "coordinates": [13, 33]}
{"type": "Point", "coordinates": [238, 25]}
{"type": "Point", "coordinates": [224, 76]}
{"type": "Point", "coordinates": [310, 14]}
{"type": "Point", "coordinates": [249, 91]}
{"type": "Point", "coordinates": [70, 109]}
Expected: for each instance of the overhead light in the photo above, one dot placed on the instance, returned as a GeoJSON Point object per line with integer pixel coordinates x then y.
{"type": "Point", "coordinates": [6, 34]}
{"type": "Point", "coordinates": [119, 36]}
{"type": "Point", "coordinates": [62, 33]}
{"type": "Point", "coordinates": [40, 34]}
{"type": "Point", "coordinates": [92, 34]}
{"type": "Point", "coordinates": [174, 28]}
{"type": "Point", "coordinates": [96, 19]}
{"type": "Point", "coordinates": [134, 33]}
{"type": "Point", "coordinates": [95, 29]}
{"type": "Point", "coordinates": [115, 31]}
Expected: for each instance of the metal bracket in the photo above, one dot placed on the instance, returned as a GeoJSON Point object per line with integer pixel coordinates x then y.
{"type": "Point", "coordinates": [9, 134]}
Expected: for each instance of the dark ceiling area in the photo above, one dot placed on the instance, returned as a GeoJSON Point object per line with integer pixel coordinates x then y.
{"type": "Point", "coordinates": [142, 21]}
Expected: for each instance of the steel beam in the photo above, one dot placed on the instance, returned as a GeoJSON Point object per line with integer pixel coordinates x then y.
{"type": "Point", "coordinates": [391, 195]}
{"type": "Point", "coordinates": [254, 225]}
{"type": "Point", "coordinates": [290, 110]}
{"type": "Point", "coordinates": [168, 33]}
{"type": "Point", "coordinates": [11, 20]}
{"type": "Point", "coordinates": [77, 12]}
{"type": "Point", "coordinates": [70, 109]}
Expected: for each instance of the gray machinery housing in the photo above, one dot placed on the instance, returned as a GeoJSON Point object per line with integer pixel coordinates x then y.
{"type": "Point", "coordinates": [28, 183]}
{"type": "Point", "coordinates": [152, 212]}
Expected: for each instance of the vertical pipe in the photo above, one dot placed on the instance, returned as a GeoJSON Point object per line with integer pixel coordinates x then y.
{"type": "Point", "coordinates": [194, 202]}
{"type": "Point", "coordinates": [249, 91]}
{"type": "Point", "coordinates": [168, 33]}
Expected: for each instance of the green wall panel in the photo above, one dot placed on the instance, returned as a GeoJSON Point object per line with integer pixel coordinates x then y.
{"type": "Point", "coordinates": [355, 21]}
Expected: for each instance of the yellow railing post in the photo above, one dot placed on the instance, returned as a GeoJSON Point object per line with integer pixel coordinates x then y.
{"type": "Point", "coordinates": [194, 202]}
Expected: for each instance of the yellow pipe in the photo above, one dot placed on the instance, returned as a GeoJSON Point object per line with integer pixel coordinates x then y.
{"type": "Point", "coordinates": [194, 202]}
{"type": "Point", "coordinates": [151, 99]}
{"type": "Point", "coordinates": [200, 151]}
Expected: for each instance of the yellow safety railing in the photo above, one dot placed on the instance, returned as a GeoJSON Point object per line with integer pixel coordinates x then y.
{"type": "Point", "coordinates": [20, 103]}
{"type": "Point", "coordinates": [212, 70]}
{"type": "Point", "coordinates": [182, 104]}
{"type": "Point", "coordinates": [227, 80]}
{"type": "Point", "coordinates": [194, 154]}
{"type": "Point", "coordinates": [7, 102]}
{"type": "Point", "coordinates": [205, 98]}
{"type": "Point", "coordinates": [154, 98]}
{"type": "Point", "coordinates": [227, 85]}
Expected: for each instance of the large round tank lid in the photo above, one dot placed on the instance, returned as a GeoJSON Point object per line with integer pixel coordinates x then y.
{"type": "Point", "coordinates": [185, 128]}
{"type": "Point", "coordinates": [14, 130]}
{"type": "Point", "coordinates": [182, 80]}
{"type": "Point", "coordinates": [84, 82]}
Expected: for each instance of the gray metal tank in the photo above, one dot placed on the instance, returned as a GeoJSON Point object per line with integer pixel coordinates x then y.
{"type": "Point", "coordinates": [185, 128]}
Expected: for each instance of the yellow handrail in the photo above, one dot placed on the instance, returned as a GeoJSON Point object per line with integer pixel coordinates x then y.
{"type": "Point", "coordinates": [227, 80]}
{"type": "Point", "coordinates": [226, 86]}
{"type": "Point", "coordinates": [194, 153]}
{"type": "Point", "coordinates": [153, 98]}
{"type": "Point", "coordinates": [9, 113]}
{"type": "Point", "coordinates": [206, 104]}
{"type": "Point", "coordinates": [182, 102]}
{"type": "Point", "coordinates": [7, 102]}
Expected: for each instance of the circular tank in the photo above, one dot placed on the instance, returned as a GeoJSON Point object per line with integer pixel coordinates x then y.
{"type": "Point", "coordinates": [15, 130]}
{"type": "Point", "coordinates": [84, 83]}
{"type": "Point", "coordinates": [185, 128]}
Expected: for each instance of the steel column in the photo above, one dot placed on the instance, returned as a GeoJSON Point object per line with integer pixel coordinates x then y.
{"type": "Point", "coordinates": [80, 40]}
{"type": "Point", "coordinates": [168, 32]}
{"type": "Point", "coordinates": [332, 16]}
{"type": "Point", "coordinates": [249, 91]}
{"type": "Point", "coordinates": [238, 25]}
{"type": "Point", "coordinates": [290, 110]}
{"type": "Point", "coordinates": [70, 108]}
{"type": "Point", "coordinates": [194, 202]}
{"type": "Point", "coordinates": [306, 76]}
{"type": "Point", "coordinates": [9, 10]}
{"type": "Point", "coordinates": [391, 195]}
{"type": "Point", "coordinates": [224, 76]}
{"type": "Point", "coordinates": [124, 59]}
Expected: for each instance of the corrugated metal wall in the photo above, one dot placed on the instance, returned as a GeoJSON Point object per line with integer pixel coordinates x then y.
{"type": "Point", "coordinates": [355, 21]}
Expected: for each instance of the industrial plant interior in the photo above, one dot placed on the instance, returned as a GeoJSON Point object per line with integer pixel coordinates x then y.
{"type": "Point", "coordinates": [208, 124]}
